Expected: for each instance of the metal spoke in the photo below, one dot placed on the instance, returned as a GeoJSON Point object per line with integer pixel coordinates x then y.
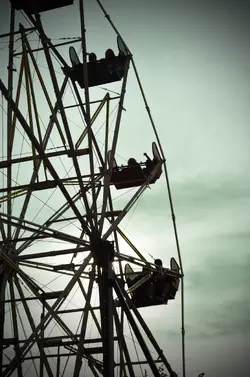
{"type": "Point", "coordinates": [15, 327]}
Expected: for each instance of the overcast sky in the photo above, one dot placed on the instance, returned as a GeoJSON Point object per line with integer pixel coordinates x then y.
{"type": "Point", "coordinates": [193, 58]}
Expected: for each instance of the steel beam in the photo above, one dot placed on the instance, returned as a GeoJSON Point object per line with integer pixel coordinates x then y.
{"type": "Point", "coordinates": [78, 152]}
{"type": "Point", "coordinates": [9, 115]}
{"type": "Point", "coordinates": [55, 45]}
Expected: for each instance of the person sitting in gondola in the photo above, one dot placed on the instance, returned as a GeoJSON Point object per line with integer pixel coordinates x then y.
{"type": "Point", "coordinates": [158, 264]}
{"type": "Point", "coordinates": [132, 162]}
{"type": "Point", "coordinates": [157, 286]}
{"type": "Point", "coordinates": [134, 169]}
{"type": "Point", "coordinates": [92, 57]}
{"type": "Point", "coordinates": [133, 174]}
{"type": "Point", "coordinates": [109, 54]}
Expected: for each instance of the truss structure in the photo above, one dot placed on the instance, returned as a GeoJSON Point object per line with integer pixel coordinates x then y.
{"type": "Point", "coordinates": [58, 216]}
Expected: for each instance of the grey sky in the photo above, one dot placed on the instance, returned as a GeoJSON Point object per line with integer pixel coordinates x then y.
{"type": "Point", "coordinates": [193, 58]}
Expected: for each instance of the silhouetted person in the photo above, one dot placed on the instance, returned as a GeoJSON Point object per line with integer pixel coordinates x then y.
{"type": "Point", "coordinates": [109, 54]}
{"type": "Point", "coordinates": [132, 162]}
{"type": "Point", "coordinates": [158, 263]}
{"type": "Point", "coordinates": [92, 57]}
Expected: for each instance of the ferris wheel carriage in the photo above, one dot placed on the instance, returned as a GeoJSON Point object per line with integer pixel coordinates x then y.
{"type": "Point", "coordinates": [150, 288]}
{"type": "Point", "coordinates": [103, 71]}
{"type": "Point", "coordinates": [135, 173]}
{"type": "Point", "coordinates": [33, 6]}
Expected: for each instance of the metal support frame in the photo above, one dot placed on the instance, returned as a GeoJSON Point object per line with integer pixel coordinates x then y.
{"type": "Point", "coordinates": [109, 283]}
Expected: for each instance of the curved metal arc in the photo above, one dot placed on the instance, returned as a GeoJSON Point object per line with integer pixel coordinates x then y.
{"type": "Point", "coordinates": [168, 187]}
{"type": "Point", "coordinates": [174, 222]}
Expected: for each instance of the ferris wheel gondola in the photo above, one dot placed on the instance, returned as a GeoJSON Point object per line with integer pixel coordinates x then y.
{"type": "Point", "coordinates": [106, 70]}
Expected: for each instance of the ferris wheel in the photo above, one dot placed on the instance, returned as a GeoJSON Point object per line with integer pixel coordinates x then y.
{"type": "Point", "coordinates": [72, 282]}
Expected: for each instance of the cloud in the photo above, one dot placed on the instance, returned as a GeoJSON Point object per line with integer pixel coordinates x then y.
{"type": "Point", "coordinates": [199, 193]}
{"type": "Point", "coordinates": [217, 296]}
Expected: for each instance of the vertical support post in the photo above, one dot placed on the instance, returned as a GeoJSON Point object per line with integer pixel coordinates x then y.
{"type": "Point", "coordinates": [9, 114]}
{"type": "Point", "coordinates": [87, 100]}
{"type": "Point", "coordinates": [106, 280]}
{"type": "Point", "coordinates": [42, 345]}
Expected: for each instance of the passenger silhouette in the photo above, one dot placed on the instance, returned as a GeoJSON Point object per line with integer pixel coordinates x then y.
{"type": "Point", "coordinates": [92, 57]}
{"type": "Point", "coordinates": [132, 162]}
{"type": "Point", "coordinates": [109, 54]}
{"type": "Point", "coordinates": [158, 263]}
